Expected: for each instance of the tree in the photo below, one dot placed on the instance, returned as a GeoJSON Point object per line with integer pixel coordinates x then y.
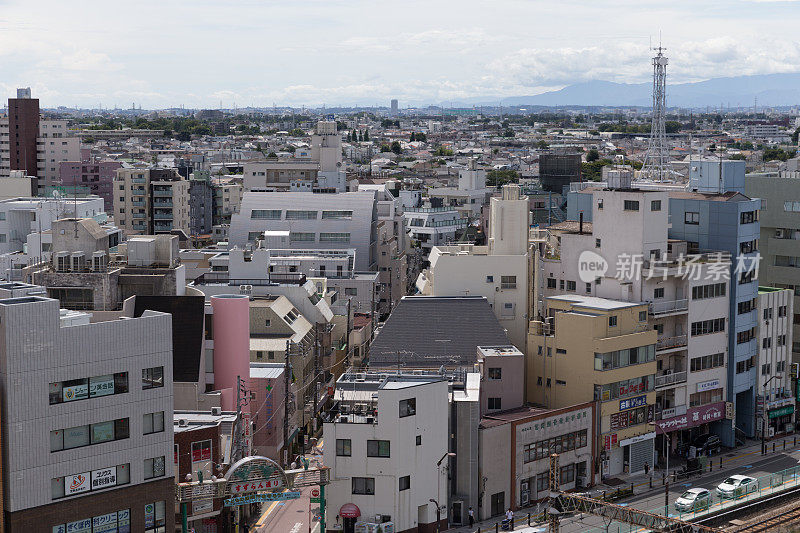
{"type": "Point", "coordinates": [672, 126]}
{"type": "Point", "coordinates": [349, 136]}
{"type": "Point", "coordinates": [442, 151]}
{"type": "Point", "coordinates": [542, 145]}
{"type": "Point", "coordinates": [360, 136]}
{"type": "Point", "coordinates": [412, 138]}
{"type": "Point", "coordinates": [396, 148]}
{"type": "Point", "coordinates": [385, 148]}
{"type": "Point", "coordinates": [366, 135]}
{"type": "Point", "coordinates": [498, 178]}
{"type": "Point", "coordinates": [592, 155]}
{"type": "Point", "coordinates": [508, 132]}
{"type": "Point", "coordinates": [272, 154]}
{"type": "Point", "coordinates": [795, 135]}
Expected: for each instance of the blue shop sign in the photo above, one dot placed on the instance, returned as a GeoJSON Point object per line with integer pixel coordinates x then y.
{"type": "Point", "coordinates": [632, 403]}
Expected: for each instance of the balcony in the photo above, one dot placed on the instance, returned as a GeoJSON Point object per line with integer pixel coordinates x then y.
{"type": "Point", "coordinates": [669, 307]}
{"type": "Point", "coordinates": [139, 215]}
{"type": "Point", "coordinates": [138, 180]}
{"type": "Point", "coordinates": [162, 203]}
{"type": "Point", "coordinates": [162, 193]}
{"type": "Point", "coordinates": [162, 216]}
{"type": "Point", "coordinates": [138, 203]}
{"type": "Point", "coordinates": [671, 343]}
{"type": "Point", "coordinates": [668, 378]}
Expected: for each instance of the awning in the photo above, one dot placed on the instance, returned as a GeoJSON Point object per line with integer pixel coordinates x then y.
{"type": "Point", "coordinates": [349, 510]}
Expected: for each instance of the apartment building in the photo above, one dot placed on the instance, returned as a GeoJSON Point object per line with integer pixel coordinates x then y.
{"type": "Point", "coordinates": [278, 174]}
{"type": "Point", "coordinates": [335, 221]}
{"type": "Point", "coordinates": [227, 199]}
{"type": "Point", "coordinates": [94, 176]}
{"type": "Point", "coordinates": [621, 373]}
{"type": "Point", "coordinates": [499, 271]}
{"type": "Point", "coordinates": [775, 402]}
{"type": "Point", "coordinates": [469, 196]}
{"type": "Point", "coordinates": [780, 235]}
{"type": "Point", "coordinates": [91, 452]}
{"type": "Point", "coordinates": [54, 146]}
{"type": "Point", "coordinates": [433, 226]}
{"type": "Point", "coordinates": [19, 131]}
{"type": "Point", "coordinates": [387, 448]}
{"type": "Point", "coordinates": [148, 201]}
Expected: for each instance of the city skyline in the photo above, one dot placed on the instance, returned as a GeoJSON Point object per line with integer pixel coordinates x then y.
{"type": "Point", "coordinates": [345, 53]}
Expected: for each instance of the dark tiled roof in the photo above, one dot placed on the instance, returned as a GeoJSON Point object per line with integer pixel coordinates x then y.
{"type": "Point", "coordinates": [435, 331]}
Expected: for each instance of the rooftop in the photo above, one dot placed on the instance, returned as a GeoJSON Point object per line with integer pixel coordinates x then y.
{"type": "Point", "coordinates": [571, 226]}
{"type": "Point", "coordinates": [594, 302]}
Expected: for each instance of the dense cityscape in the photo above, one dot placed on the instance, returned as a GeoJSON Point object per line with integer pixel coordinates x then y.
{"type": "Point", "coordinates": [568, 312]}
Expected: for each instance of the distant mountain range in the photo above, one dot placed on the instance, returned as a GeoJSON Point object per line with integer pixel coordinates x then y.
{"type": "Point", "coordinates": [737, 91]}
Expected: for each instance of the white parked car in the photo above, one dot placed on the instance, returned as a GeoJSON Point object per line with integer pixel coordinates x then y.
{"type": "Point", "coordinates": [736, 486]}
{"type": "Point", "coordinates": [693, 500]}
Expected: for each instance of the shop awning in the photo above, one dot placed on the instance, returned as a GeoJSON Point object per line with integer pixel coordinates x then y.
{"type": "Point", "coordinates": [349, 510]}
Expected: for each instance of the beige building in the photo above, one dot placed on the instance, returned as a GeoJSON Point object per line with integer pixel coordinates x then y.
{"type": "Point", "coordinates": [277, 175]}
{"type": "Point", "coordinates": [595, 349]}
{"type": "Point", "coordinates": [150, 201]}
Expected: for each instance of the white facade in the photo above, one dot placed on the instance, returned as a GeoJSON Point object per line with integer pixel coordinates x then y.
{"type": "Point", "coordinates": [334, 221]}
{"type": "Point", "coordinates": [433, 226]}
{"type": "Point", "coordinates": [415, 444]}
{"type": "Point", "coordinates": [47, 435]}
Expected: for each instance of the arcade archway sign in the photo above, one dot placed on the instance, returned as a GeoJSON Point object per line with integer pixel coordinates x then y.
{"type": "Point", "coordinates": [256, 479]}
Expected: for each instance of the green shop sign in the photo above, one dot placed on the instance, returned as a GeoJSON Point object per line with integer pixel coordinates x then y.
{"type": "Point", "coordinates": [786, 410]}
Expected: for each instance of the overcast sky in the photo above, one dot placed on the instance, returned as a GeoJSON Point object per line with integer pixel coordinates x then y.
{"type": "Point", "coordinates": [199, 53]}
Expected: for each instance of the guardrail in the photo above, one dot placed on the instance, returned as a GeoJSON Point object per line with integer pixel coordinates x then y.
{"type": "Point", "coordinates": [669, 379]}
{"type": "Point", "coordinates": [672, 306]}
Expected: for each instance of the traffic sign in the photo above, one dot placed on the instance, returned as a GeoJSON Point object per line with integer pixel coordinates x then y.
{"type": "Point", "coordinates": [314, 500]}
{"type": "Point", "coordinates": [315, 493]}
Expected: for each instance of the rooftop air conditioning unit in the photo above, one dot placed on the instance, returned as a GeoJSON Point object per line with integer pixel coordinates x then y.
{"type": "Point", "coordinates": [245, 289]}
{"type": "Point", "coordinates": [183, 423]}
{"type": "Point", "coordinates": [216, 411]}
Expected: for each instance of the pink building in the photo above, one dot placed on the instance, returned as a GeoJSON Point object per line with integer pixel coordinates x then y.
{"type": "Point", "coordinates": [231, 327]}
{"type": "Point", "coordinates": [267, 382]}
{"type": "Point", "coordinates": [96, 176]}
{"type": "Point", "coordinates": [502, 378]}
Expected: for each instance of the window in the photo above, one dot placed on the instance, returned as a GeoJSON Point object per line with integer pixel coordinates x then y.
{"type": "Point", "coordinates": [295, 236]}
{"type": "Point", "coordinates": [791, 207]}
{"type": "Point", "coordinates": [343, 448]}
{"type": "Point", "coordinates": [766, 342]}
{"type": "Point", "coordinates": [691, 217]}
{"type": "Point", "coordinates": [81, 389]}
{"type": "Point", "coordinates": [655, 205]}
{"type": "Point", "coordinates": [781, 340]}
{"type": "Point", "coordinates": [201, 451]}
{"type": "Point", "coordinates": [494, 403]}
{"type": "Point", "coordinates": [334, 237]}
{"type": "Point", "coordinates": [623, 358]}
{"type": "Point", "coordinates": [624, 388]}
{"type": "Point", "coordinates": [745, 336]}
{"type": "Point", "coordinates": [364, 485]}
{"type": "Point", "coordinates": [744, 366]}
{"type": "Point", "coordinates": [489, 279]}
{"type": "Point", "coordinates": [254, 235]}
{"type": "Point", "coordinates": [337, 214]}
{"type": "Point", "coordinates": [567, 474]}
{"type": "Point", "coordinates": [419, 440]}
{"type": "Point", "coordinates": [748, 217]}
{"type": "Point", "coordinates": [705, 397]}
{"type": "Point", "coordinates": [642, 316]}
{"type": "Point", "coordinates": [265, 214]}
{"type": "Point", "coordinates": [588, 288]}
{"type": "Point", "coordinates": [77, 437]}
{"type": "Point", "coordinates": [405, 482]}
{"type": "Point", "coordinates": [747, 277]}
{"type": "Point", "coordinates": [631, 205]}
{"type": "Point", "coordinates": [706, 362]}
{"type": "Point", "coordinates": [154, 517]}
{"type": "Point", "coordinates": [350, 291]}
{"type": "Point", "coordinates": [152, 378]}
{"type": "Point", "coordinates": [301, 215]}
{"type": "Point", "coordinates": [600, 203]}
{"type": "Point", "coordinates": [780, 366]}
{"type": "Point", "coordinates": [706, 327]}
{"type": "Point", "coordinates": [154, 467]}
{"type": "Point", "coordinates": [561, 350]}
{"type": "Point", "coordinates": [508, 282]}
{"type": "Point", "coordinates": [658, 292]}
{"type": "Point", "coordinates": [746, 306]}
{"type": "Point", "coordinates": [561, 284]}
{"type": "Point", "coordinates": [612, 321]}
{"type": "Point", "coordinates": [571, 286]}
{"type": "Point", "coordinates": [495, 373]}
{"type": "Point", "coordinates": [100, 479]}
{"type": "Point", "coordinates": [153, 423]}
{"type": "Point", "coordinates": [408, 407]}
{"type": "Point", "coordinates": [377, 448]}
{"type": "Point", "coordinates": [597, 243]}
{"type": "Point", "coordinates": [748, 247]}
{"type": "Point", "coordinates": [768, 314]}
{"type": "Point", "coordinates": [782, 311]}
{"type": "Point", "coordinates": [713, 290]}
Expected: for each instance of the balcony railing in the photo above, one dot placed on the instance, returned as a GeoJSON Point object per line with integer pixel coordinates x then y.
{"type": "Point", "coordinates": [666, 343]}
{"type": "Point", "coordinates": [670, 378]}
{"type": "Point", "coordinates": [164, 193]}
{"type": "Point", "coordinates": [672, 306]}
{"type": "Point", "coordinates": [162, 216]}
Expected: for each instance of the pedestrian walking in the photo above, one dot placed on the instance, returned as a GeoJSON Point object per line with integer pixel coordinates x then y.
{"type": "Point", "coordinates": [646, 469]}
{"type": "Point", "coordinates": [471, 514]}
{"type": "Point", "coordinates": [510, 518]}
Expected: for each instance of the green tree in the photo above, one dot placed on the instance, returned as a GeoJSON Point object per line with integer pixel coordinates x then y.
{"type": "Point", "coordinates": [386, 148]}
{"type": "Point", "coordinates": [412, 138]}
{"type": "Point", "coordinates": [349, 136]}
{"type": "Point", "coordinates": [366, 135]}
{"type": "Point", "coordinates": [396, 148]}
{"type": "Point", "coordinates": [508, 132]}
{"type": "Point", "coordinates": [272, 154]}
{"type": "Point", "coordinates": [795, 135]}
{"type": "Point", "coordinates": [360, 136]}
{"type": "Point", "coordinates": [498, 178]}
{"type": "Point", "coordinates": [672, 126]}
{"type": "Point", "coordinates": [542, 145]}
{"type": "Point", "coordinates": [442, 151]}
{"type": "Point", "coordinates": [592, 155]}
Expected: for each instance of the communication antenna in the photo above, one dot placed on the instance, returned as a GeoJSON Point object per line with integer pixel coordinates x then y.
{"type": "Point", "coordinates": [656, 164]}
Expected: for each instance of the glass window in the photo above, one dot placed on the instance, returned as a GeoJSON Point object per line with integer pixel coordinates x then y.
{"type": "Point", "coordinates": [102, 432]}
{"type": "Point", "coordinates": [265, 214]}
{"type": "Point", "coordinates": [296, 236]}
{"type": "Point", "coordinates": [153, 423]}
{"type": "Point", "coordinates": [337, 214]}
{"type": "Point", "coordinates": [343, 447]}
{"type": "Point", "coordinates": [300, 215]}
{"type": "Point", "coordinates": [405, 482]}
{"type": "Point", "coordinates": [152, 377]}
{"type": "Point", "coordinates": [76, 437]}
{"type": "Point", "coordinates": [377, 448]}
{"type": "Point", "coordinates": [154, 467]}
{"type": "Point", "coordinates": [334, 237]}
{"type": "Point", "coordinates": [631, 205]}
{"type": "Point", "coordinates": [363, 485]}
{"type": "Point", "coordinates": [408, 407]}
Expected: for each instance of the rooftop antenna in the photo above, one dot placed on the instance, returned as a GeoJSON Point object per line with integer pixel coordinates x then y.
{"type": "Point", "coordinates": [656, 164]}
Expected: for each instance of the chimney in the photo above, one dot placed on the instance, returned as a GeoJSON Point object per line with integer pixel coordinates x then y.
{"type": "Point", "coordinates": [580, 224]}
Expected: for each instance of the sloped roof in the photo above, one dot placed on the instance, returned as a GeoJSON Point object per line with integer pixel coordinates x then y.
{"type": "Point", "coordinates": [435, 331]}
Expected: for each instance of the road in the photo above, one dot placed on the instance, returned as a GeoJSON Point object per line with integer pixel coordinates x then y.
{"type": "Point", "coordinates": [747, 462]}
{"type": "Point", "coordinates": [291, 516]}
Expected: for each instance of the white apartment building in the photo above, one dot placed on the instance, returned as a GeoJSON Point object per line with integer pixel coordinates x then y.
{"type": "Point", "coordinates": [86, 424]}
{"type": "Point", "coordinates": [19, 217]}
{"type": "Point", "coordinates": [279, 174]}
{"type": "Point", "coordinates": [688, 305]}
{"type": "Point", "coordinates": [54, 145]}
{"type": "Point", "coordinates": [470, 195]}
{"type": "Point", "coordinates": [775, 312]}
{"type": "Point", "coordinates": [387, 448]}
{"type": "Point", "coordinates": [433, 226]}
{"type": "Point", "coordinates": [499, 271]}
{"type": "Point", "coordinates": [314, 220]}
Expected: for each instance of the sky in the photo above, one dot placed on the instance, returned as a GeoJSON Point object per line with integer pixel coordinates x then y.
{"type": "Point", "coordinates": [203, 53]}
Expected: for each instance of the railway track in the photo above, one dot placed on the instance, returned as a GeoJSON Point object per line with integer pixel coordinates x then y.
{"type": "Point", "coordinates": [781, 521]}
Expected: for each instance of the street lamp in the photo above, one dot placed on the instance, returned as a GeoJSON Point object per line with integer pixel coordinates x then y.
{"type": "Point", "coordinates": [438, 489]}
{"type": "Point", "coordinates": [764, 415]}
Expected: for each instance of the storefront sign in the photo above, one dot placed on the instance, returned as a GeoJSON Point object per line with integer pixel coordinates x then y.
{"type": "Point", "coordinates": [253, 474]}
{"type": "Point", "coordinates": [76, 483]}
{"type": "Point", "coordinates": [149, 515]}
{"type": "Point", "coordinates": [609, 441]}
{"type": "Point", "coordinates": [632, 403]}
{"type": "Point", "coordinates": [81, 526]}
{"type": "Point", "coordinates": [106, 523]}
{"type": "Point", "coordinates": [124, 521]}
{"type": "Point", "coordinates": [258, 498]}
{"type": "Point", "coordinates": [637, 438]}
{"type": "Point", "coordinates": [776, 413]}
{"type": "Point", "coordinates": [103, 478]}
{"type": "Point", "coordinates": [202, 506]}
{"type": "Point", "coordinates": [693, 417]}
{"type": "Point", "coordinates": [267, 484]}
{"type": "Point", "coordinates": [708, 385]}
{"type": "Point", "coordinates": [76, 392]}
{"type": "Point", "coordinates": [729, 410]}
{"type": "Point", "coordinates": [101, 386]}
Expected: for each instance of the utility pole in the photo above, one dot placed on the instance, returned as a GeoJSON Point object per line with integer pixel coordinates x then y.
{"type": "Point", "coordinates": [286, 370]}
